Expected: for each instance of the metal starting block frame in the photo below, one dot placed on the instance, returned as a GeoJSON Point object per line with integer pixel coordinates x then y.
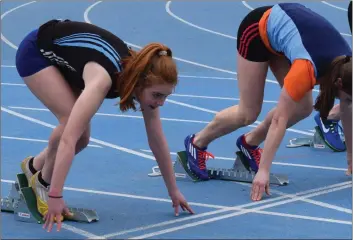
{"type": "Point", "coordinates": [240, 172]}
{"type": "Point", "coordinates": [22, 202]}
{"type": "Point", "coordinates": [316, 142]}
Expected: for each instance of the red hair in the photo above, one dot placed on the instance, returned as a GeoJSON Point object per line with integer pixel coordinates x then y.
{"type": "Point", "coordinates": [152, 65]}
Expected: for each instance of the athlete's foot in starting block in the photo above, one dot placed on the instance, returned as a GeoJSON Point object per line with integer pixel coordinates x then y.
{"type": "Point", "coordinates": [26, 168]}
{"type": "Point", "coordinates": [41, 193]}
{"type": "Point", "coordinates": [252, 154]}
{"type": "Point", "coordinates": [239, 172]}
{"type": "Point", "coordinates": [330, 130]}
{"type": "Point", "coordinates": [196, 158]}
{"type": "Point", "coordinates": [22, 202]}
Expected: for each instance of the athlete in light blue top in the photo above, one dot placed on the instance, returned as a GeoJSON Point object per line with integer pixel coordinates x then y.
{"type": "Point", "coordinates": [302, 49]}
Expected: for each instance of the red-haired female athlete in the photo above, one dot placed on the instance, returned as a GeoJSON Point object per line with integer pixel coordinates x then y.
{"type": "Point", "coordinates": [71, 67]}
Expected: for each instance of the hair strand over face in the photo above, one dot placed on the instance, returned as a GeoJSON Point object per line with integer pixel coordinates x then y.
{"type": "Point", "coordinates": [341, 67]}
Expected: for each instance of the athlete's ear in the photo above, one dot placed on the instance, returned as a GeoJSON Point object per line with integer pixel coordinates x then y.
{"type": "Point", "coordinates": [338, 83]}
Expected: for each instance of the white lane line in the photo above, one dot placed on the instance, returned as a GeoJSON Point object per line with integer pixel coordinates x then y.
{"type": "Point", "coordinates": [39, 140]}
{"type": "Point", "coordinates": [334, 6]}
{"type": "Point", "coordinates": [100, 142]}
{"type": "Point", "coordinates": [254, 210]}
{"type": "Point", "coordinates": [275, 163]}
{"type": "Point", "coordinates": [3, 15]}
{"type": "Point", "coordinates": [167, 8]}
{"type": "Point", "coordinates": [251, 204]}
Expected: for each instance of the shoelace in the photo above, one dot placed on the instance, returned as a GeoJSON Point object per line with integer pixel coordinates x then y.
{"type": "Point", "coordinates": [333, 126]}
{"type": "Point", "coordinates": [256, 153]}
{"type": "Point", "coordinates": [340, 132]}
{"type": "Point", "coordinates": [203, 156]}
{"type": "Point", "coordinates": [337, 129]}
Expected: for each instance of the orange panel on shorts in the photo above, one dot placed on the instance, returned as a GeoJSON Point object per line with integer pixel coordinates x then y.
{"type": "Point", "coordinates": [263, 32]}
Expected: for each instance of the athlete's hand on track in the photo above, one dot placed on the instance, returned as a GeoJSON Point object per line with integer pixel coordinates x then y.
{"type": "Point", "coordinates": [261, 184]}
{"type": "Point", "coordinates": [179, 200]}
{"type": "Point", "coordinates": [56, 210]}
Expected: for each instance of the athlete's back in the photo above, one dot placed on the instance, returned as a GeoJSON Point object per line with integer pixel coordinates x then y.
{"type": "Point", "coordinates": [301, 33]}
{"type": "Point", "coordinates": [69, 45]}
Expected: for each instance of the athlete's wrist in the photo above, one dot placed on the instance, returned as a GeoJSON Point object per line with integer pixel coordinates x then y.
{"type": "Point", "coordinates": [172, 188]}
{"type": "Point", "coordinates": [349, 157]}
{"type": "Point", "coordinates": [55, 192]}
{"type": "Point", "coordinates": [173, 192]}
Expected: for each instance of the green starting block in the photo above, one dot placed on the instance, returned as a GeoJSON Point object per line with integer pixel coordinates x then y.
{"type": "Point", "coordinates": [240, 172]}
{"type": "Point", "coordinates": [316, 142]}
{"type": "Point", "coordinates": [22, 202]}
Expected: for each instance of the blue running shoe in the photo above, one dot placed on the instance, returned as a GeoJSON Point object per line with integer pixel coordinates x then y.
{"type": "Point", "coordinates": [197, 158]}
{"type": "Point", "coordinates": [330, 132]}
{"type": "Point", "coordinates": [251, 153]}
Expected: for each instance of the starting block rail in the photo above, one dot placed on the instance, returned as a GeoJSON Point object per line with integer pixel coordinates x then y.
{"type": "Point", "coordinates": [240, 172]}
{"type": "Point", "coordinates": [22, 202]}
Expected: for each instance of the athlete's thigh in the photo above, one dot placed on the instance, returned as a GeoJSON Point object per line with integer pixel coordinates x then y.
{"type": "Point", "coordinates": [50, 87]}
{"type": "Point", "coordinates": [251, 82]}
{"type": "Point", "coordinates": [279, 66]}
{"type": "Point", "coordinates": [252, 61]}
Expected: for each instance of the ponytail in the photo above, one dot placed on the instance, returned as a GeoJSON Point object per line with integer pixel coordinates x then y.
{"type": "Point", "coordinates": [328, 89]}
{"type": "Point", "coordinates": [136, 69]}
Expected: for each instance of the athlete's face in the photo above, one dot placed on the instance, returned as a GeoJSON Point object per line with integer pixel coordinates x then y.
{"type": "Point", "coordinates": [155, 95]}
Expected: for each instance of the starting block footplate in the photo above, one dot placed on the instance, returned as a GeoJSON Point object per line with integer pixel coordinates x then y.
{"type": "Point", "coordinates": [240, 172]}
{"type": "Point", "coordinates": [317, 142]}
{"type": "Point", "coordinates": [22, 202]}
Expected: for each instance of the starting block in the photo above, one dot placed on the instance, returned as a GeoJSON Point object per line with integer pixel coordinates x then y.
{"type": "Point", "coordinates": [22, 202]}
{"type": "Point", "coordinates": [240, 172]}
{"type": "Point", "coordinates": [316, 142]}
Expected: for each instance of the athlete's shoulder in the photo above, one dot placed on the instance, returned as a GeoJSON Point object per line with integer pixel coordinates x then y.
{"type": "Point", "coordinates": [291, 6]}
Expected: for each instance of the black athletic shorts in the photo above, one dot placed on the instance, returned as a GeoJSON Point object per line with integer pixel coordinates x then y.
{"type": "Point", "coordinates": [249, 43]}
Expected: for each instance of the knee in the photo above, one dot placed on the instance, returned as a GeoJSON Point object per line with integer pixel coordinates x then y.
{"type": "Point", "coordinates": [242, 116]}
{"type": "Point", "coordinates": [55, 137]}
{"type": "Point", "coordinates": [250, 119]}
{"type": "Point", "coordinates": [58, 131]}
{"type": "Point", "coordinates": [250, 116]}
{"type": "Point", "coordinates": [83, 141]}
